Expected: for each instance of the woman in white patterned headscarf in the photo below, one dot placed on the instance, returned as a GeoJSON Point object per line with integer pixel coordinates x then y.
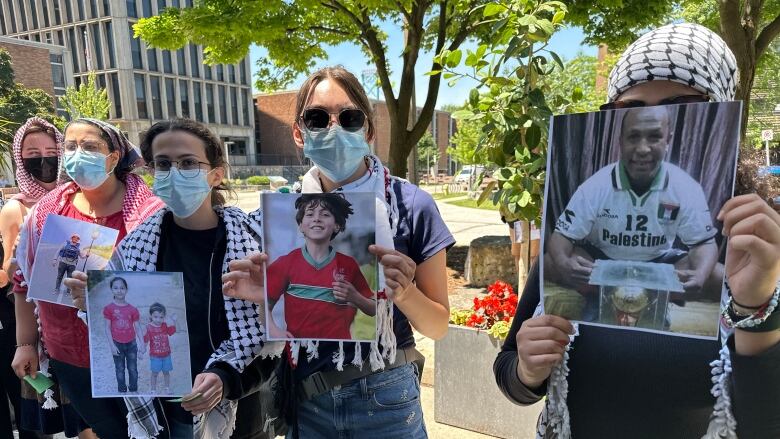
{"type": "Point", "coordinates": [607, 383]}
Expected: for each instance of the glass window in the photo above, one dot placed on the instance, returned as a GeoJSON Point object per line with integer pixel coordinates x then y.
{"type": "Point", "coordinates": [12, 16]}
{"type": "Point", "coordinates": [247, 104]}
{"type": "Point", "coordinates": [194, 62]}
{"type": "Point", "coordinates": [220, 73]}
{"type": "Point", "coordinates": [68, 10]}
{"type": "Point", "coordinates": [58, 75]}
{"type": "Point", "coordinates": [72, 45]}
{"type": "Point", "coordinates": [101, 80]}
{"type": "Point", "coordinates": [175, 3]}
{"type": "Point", "coordinates": [232, 73]}
{"type": "Point", "coordinates": [167, 63]}
{"type": "Point", "coordinates": [147, 6]}
{"type": "Point", "coordinates": [44, 12]}
{"type": "Point", "coordinates": [135, 49]}
{"type": "Point", "coordinates": [116, 97]}
{"type": "Point", "coordinates": [151, 60]}
{"type": "Point", "coordinates": [108, 32]}
{"type": "Point", "coordinates": [222, 105]}
{"type": "Point", "coordinates": [106, 8]}
{"type": "Point", "coordinates": [181, 63]}
{"type": "Point", "coordinates": [170, 97]}
{"type": "Point", "coordinates": [154, 82]}
{"type": "Point", "coordinates": [234, 104]}
{"type": "Point", "coordinates": [206, 71]}
{"type": "Point", "coordinates": [131, 9]}
{"type": "Point", "coordinates": [210, 103]}
{"type": "Point", "coordinates": [37, 37]}
{"type": "Point", "coordinates": [23, 16]}
{"type": "Point", "coordinates": [2, 23]}
{"type": "Point", "coordinates": [242, 71]}
{"type": "Point", "coordinates": [196, 100]}
{"type": "Point", "coordinates": [98, 56]}
{"type": "Point", "coordinates": [184, 99]}
{"type": "Point", "coordinates": [34, 13]}
{"type": "Point", "coordinates": [188, 3]}
{"type": "Point", "coordinates": [82, 14]}
{"type": "Point", "coordinates": [140, 96]}
{"type": "Point", "coordinates": [57, 17]}
{"type": "Point", "coordinates": [160, 5]}
{"type": "Point", "coordinates": [93, 9]}
{"type": "Point", "coordinates": [60, 38]}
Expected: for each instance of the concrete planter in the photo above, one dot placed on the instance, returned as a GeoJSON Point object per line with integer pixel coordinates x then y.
{"type": "Point", "coordinates": [466, 394]}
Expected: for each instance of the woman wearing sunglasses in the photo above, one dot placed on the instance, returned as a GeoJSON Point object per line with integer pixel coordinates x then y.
{"type": "Point", "coordinates": [618, 384]}
{"type": "Point", "coordinates": [98, 158]}
{"type": "Point", "coordinates": [370, 389]}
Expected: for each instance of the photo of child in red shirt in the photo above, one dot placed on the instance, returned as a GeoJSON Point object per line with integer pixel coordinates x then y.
{"type": "Point", "coordinates": [124, 333]}
{"type": "Point", "coordinates": [157, 333]}
{"type": "Point", "coordinates": [322, 288]}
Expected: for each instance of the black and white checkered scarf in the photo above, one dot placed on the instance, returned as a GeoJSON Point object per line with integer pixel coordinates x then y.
{"type": "Point", "coordinates": [138, 252]}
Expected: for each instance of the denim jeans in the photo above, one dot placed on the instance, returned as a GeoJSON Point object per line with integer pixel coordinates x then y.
{"type": "Point", "coordinates": [62, 270]}
{"type": "Point", "coordinates": [127, 357]}
{"type": "Point", "coordinates": [382, 405]}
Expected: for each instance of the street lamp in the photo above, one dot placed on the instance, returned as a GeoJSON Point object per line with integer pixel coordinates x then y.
{"type": "Point", "coordinates": [94, 236]}
{"type": "Point", "coordinates": [228, 143]}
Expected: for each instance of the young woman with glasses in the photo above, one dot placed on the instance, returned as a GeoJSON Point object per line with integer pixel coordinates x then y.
{"type": "Point", "coordinates": [195, 234]}
{"type": "Point", "coordinates": [98, 159]}
{"type": "Point", "coordinates": [362, 389]}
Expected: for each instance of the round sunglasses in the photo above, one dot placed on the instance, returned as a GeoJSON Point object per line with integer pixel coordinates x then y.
{"type": "Point", "coordinates": [318, 119]}
{"type": "Point", "coordinates": [633, 103]}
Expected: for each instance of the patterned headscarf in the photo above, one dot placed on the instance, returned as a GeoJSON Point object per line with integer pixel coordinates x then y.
{"type": "Point", "coordinates": [686, 53]}
{"type": "Point", "coordinates": [129, 154]}
{"type": "Point", "coordinates": [30, 190]}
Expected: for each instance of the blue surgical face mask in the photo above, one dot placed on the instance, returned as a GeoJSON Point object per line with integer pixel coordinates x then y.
{"type": "Point", "coordinates": [183, 191]}
{"type": "Point", "coordinates": [87, 169]}
{"type": "Point", "coordinates": [336, 152]}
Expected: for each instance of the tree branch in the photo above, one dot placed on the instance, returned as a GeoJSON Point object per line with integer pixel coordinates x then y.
{"type": "Point", "coordinates": [341, 7]}
{"type": "Point", "coordinates": [403, 10]}
{"type": "Point", "coordinates": [380, 60]}
{"type": "Point", "coordinates": [767, 35]}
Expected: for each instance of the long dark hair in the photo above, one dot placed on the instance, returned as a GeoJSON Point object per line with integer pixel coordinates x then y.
{"type": "Point", "coordinates": [215, 150]}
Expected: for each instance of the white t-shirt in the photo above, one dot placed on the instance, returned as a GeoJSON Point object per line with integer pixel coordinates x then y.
{"type": "Point", "coordinates": [606, 212]}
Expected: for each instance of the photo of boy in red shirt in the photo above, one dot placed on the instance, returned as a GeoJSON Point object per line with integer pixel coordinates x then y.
{"type": "Point", "coordinates": [322, 288]}
{"type": "Point", "coordinates": [124, 333]}
{"type": "Point", "coordinates": [157, 333]}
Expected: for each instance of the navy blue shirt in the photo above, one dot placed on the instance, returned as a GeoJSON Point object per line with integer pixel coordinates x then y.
{"type": "Point", "coordinates": [421, 234]}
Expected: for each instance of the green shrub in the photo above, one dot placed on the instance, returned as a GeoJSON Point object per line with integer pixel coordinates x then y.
{"type": "Point", "coordinates": [257, 180]}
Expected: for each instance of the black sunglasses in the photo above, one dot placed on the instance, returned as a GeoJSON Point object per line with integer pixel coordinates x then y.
{"type": "Point", "coordinates": [633, 103]}
{"type": "Point", "coordinates": [317, 119]}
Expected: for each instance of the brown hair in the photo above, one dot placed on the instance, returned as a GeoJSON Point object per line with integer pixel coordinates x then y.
{"type": "Point", "coordinates": [215, 151]}
{"type": "Point", "coordinates": [345, 80]}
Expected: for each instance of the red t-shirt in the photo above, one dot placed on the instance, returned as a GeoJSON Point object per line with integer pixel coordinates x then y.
{"type": "Point", "coordinates": [65, 336]}
{"type": "Point", "coordinates": [310, 309]}
{"type": "Point", "coordinates": [157, 336]}
{"type": "Point", "coordinates": [122, 318]}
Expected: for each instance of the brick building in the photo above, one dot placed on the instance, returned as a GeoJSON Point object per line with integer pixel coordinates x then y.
{"type": "Point", "coordinates": [274, 115]}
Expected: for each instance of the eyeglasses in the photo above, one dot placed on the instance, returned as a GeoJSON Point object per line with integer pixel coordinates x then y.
{"type": "Point", "coordinates": [162, 167]}
{"type": "Point", "coordinates": [318, 119]}
{"type": "Point", "coordinates": [71, 147]}
{"type": "Point", "coordinates": [633, 103]}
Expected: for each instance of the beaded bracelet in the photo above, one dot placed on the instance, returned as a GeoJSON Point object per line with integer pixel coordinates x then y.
{"type": "Point", "coordinates": [21, 345]}
{"type": "Point", "coordinates": [733, 320]}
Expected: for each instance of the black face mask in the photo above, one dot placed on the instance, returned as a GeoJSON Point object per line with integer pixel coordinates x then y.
{"type": "Point", "coordinates": [42, 168]}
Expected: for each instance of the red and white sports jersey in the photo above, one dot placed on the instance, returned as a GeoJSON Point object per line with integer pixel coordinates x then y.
{"type": "Point", "coordinates": [310, 309]}
{"type": "Point", "coordinates": [606, 212]}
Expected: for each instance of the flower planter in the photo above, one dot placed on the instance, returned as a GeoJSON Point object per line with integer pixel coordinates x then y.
{"type": "Point", "coordinates": [466, 394]}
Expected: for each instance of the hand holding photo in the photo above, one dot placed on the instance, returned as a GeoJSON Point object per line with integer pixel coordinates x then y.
{"type": "Point", "coordinates": [132, 314]}
{"type": "Point", "coordinates": [67, 245]}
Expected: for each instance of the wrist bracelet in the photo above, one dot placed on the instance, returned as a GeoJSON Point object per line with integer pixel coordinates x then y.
{"type": "Point", "coordinates": [732, 319]}
{"type": "Point", "coordinates": [744, 306]}
{"type": "Point", "coordinates": [772, 323]}
{"type": "Point", "coordinates": [21, 345]}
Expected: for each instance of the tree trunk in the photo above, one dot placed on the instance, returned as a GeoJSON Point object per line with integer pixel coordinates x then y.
{"type": "Point", "coordinates": [400, 146]}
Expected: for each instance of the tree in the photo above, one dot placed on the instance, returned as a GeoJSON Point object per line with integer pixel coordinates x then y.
{"type": "Point", "coordinates": [427, 152]}
{"type": "Point", "coordinates": [295, 31]}
{"type": "Point", "coordinates": [464, 144]}
{"type": "Point", "coordinates": [17, 104]}
{"type": "Point", "coordinates": [88, 100]}
{"type": "Point", "coordinates": [577, 79]}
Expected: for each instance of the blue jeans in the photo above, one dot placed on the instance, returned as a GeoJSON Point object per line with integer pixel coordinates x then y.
{"type": "Point", "coordinates": [382, 405]}
{"type": "Point", "coordinates": [62, 270]}
{"type": "Point", "coordinates": [127, 357]}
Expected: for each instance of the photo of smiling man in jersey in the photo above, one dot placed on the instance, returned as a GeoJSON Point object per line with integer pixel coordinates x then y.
{"type": "Point", "coordinates": [640, 208]}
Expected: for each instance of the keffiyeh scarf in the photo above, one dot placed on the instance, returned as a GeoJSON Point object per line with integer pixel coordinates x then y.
{"type": "Point", "coordinates": [30, 191]}
{"type": "Point", "coordinates": [138, 252]}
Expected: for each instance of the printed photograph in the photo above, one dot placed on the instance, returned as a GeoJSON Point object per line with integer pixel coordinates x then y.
{"type": "Point", "coordinates": [321, 280]}
{"type": "Point", "coordinates": [67, 245]}
{"type": "Point", "coordinates": [138, 340]}
{"type": "Point", "coordinates": [630, 237]}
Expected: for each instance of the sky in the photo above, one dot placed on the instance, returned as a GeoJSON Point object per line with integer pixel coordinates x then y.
{"type": "Point", "coordinates": [566, 43]}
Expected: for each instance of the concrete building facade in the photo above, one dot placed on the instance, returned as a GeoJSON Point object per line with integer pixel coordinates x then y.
{"type": "Point", "coordinates": [144, 84]}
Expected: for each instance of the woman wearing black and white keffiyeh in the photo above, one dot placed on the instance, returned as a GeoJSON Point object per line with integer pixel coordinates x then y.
{"type": "Point", "coordinates": [196, 235]}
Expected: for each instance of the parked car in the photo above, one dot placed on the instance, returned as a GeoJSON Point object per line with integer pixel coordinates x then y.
{"type": "Point", "coordinates": [465, 174]}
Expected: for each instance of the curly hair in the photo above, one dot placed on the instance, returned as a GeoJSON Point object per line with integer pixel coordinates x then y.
{"type": "Point", "coordinates": [336, 204]}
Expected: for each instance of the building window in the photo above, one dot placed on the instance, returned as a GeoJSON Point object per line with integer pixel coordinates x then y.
{"type": "Point", "coordinates": [131, 9]}
{"type": "Point", "coordinates": [194, 62]}
{"type": "Point", "coordinates": [245, 108]}
{"type": "Point", "coordinates": [2, 23]}
{"type": "Point", "coordinates": [116, 96]}
{"type": "Point", "coordinates": [108, 32]}
{"type": "Point", "coordinates": [60, 38]}
{"type": "Point", "coordinates": [232, 73]}
{"type": "Point", "coordinates": [184, 98]}
{"type": "Point", "coordinates": [57, 12]}
{"type": "Point", "coordinates": [170, 97]}
{"type": "Point", "coordinates": [68, 11]}
{"type": "Point", "coordinates": [73, 49]}
{"type": "Point", "coordinates": [93, 9]}
{"type": "Point", "coordinates": [154, 82]}
{"type": "Point", "coordinates": [106, 8]}
{"type": "Point", "coordinates": [242, 72]}
{"type": "Point", "coordinates": [160, 5]}
{"type": "Point", "coordinates": [167, 63]}
{"type": "Point", "coordinates": [140, 96]}
{"type": "Point", "coordinates": [13, 17]}
{"type": "Point", "coordinates": [34, 13]}
{"type": "Point", "coordinates": [45, 12]}
{"type": "Point", "coordinates": [98, 47]}
{"type": "Point", "coordinates": [151, 60]}
{"type": "Point", "coordinates": [82, 14]}
{"type": "Point", "coordinates": [58, 75]}
{"type": "Point", "coordinates": [234, 104]}
{"type": "Point", "coordinates": [196, 100]}
{"type": "Point", "coordinates": [175, 3]}
{"type": "Point", "coordinates": [181, 63]}
{"type": "Point", "coordinates": [220, 72]}
{"type": "Point", "coordinates": [222, 105]}
{"type": "Point", "coordinates": [135, 49]}
{"type": "Point", "coordinates": [207, 71]}
{"type": "Point", "coordinates": [210, 103]}
{"type": "Point", "coordinates": [23, 16]}
{"type": "Point", "coordinates": [147, 7]}
{"type": "Point", "coordinates": [187, 3]}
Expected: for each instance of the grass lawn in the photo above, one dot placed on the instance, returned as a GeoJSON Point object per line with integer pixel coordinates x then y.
{"type": "Point", "coordinates": [444, 196]}
{"type": "Point", "coordinates": [468, 202]}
